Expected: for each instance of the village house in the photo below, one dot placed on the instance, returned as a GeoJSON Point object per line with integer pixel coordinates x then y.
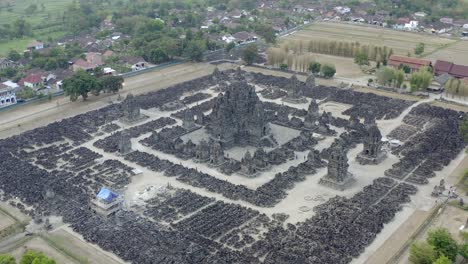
{"type": "Point", "coordinates": [34, 81]}
{"type": "Point", "coordinates": [11, 84]}
{"type": "Point", "coordinates": [455, 70]}
{"type": "Point", "coordinates": [413, 63]}
{"type": "Point", "coordinates": [7, 95]}
{"type": "Point", "coordinates": [6, 63]}
{"type": "Point", "coordinates": [35, 45]}
{"type": "Point", "coordinates": [244, 37]}
{"type": "Point", "coordinates": [91, 62]}
{"type": "Point", "coordinates": [135, 62]}
{"type": "Point", "coordinates": [438, 83]}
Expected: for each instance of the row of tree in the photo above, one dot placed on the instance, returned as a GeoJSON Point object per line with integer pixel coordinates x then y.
{"type": "Point", "coordinates": [456, 87]}
{"type": "Point", "coordinates": [82, 83]}
{"type": "Point", "coordinates": [339, 48]}
{"type": "Point", "coordinates": [297, 62]}
{"type": "Point", "coordinates": [390, 77]}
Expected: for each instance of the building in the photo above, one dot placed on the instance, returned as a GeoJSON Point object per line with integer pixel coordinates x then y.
{"type": "Point", "coordinates": [34, 81]}
{"type": "Point", "coordinates": [244, 37]}
{"type": "Point", "coordinates": [7, 95]}
{"type": "Point", "coordinates": [35, 45]}
{"type": "Point", "coordinates": [135, 63]}
{"type": "Point", "coordinates": [414, 63]}
{"type": "Point", "coordinates": [91, 62]}
{"type": "Point", "coordinates": [6, 63]}
{"type": "Point", "coordinates": [106, 203]}
{"type": "Point", "coordinates": [455, 70]}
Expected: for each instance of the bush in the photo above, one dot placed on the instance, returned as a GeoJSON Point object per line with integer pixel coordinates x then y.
{"type": "Point", "coordinates": [315, 67]}
{"type": "Point", "coordinates": [283, 66]}
{"type": "Point", "coordinates": [328, 71]}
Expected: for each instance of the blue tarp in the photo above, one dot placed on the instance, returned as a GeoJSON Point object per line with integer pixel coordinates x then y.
{"type": "Point", "coordinates": [107, 195]}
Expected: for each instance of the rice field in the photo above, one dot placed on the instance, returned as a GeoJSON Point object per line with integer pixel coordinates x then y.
{"type": "Point", "coordinates": [401, 42]}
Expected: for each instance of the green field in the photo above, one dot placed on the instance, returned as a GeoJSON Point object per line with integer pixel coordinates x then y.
{"type": "Point", "coordinates": [52, 10]}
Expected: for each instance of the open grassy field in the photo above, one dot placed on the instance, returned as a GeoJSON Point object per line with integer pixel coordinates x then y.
{"type": "Point", "coordinates": [457, 53]}
{"type": "Point", "coordinates": [16, 44]}
{"type": "Point", "coordinates": [401, 42]}
{"type": "Point", "coordinates": [17, 9]}
{"type": "Point", "coordinates": [38, 244]}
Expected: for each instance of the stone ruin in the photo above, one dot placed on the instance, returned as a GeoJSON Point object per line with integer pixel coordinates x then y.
{"type": "Point", "coordinates": [131, 110]}
{"type": "Point", "coordinates": [313, 116]}
{"type": "Point", "coordinates": [295, 93]}
{"type": "Point", "coordinates": [248, 166]}
{"type": "Point", "coordinates": [310, 81]}
{"type": "Point", "coordinates": [188, 121]}
{"type": "Point", "coordinates": [216, 154]}
{"type": "Point", "coordinates": [202, 152]}
{"type": "Point", "coordinates": [338, 176]}
{"type": "Point", "coordinates": [238, 117]}
{"type": "Point", "coordinates": [124, 145]}
{"type": "Point", "coordinates": [372, 152]}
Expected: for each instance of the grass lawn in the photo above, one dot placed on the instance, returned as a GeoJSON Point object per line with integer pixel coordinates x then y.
{"type": "Point", "coordinates": [53, 8]}
{"type": "Point", "coordinates": [17, 44]}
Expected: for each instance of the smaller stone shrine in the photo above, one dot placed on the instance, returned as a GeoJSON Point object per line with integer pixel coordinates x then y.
{"type": "Point", "coordinates": [248, 167]}
{"type": "Point", "coordinates": [202, 152]}
{"type": "Point", "coordinates": [188, 121]}
{"type": "Point", "coordinates": [216, 154]}
{"type": "Point", "coordinates": [295, 93]}
{"type": "Point", "coordinates": [131, 110]}
{"type": "Point", "coordinates": [372, 152]}
{"type": "Point", "coordinates": [338, 176]}
{"type": "Point", "coordinates": [310, 81]}
{"type": "Point", "coordinates": [125, 145]}
{"type": "Point", "coordinates": [312, 117]}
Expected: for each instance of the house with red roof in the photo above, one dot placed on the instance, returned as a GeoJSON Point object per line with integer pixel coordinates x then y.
{"type": "Point", "coordinates": [34, 81]}
{"type": "Point", "coordinates": [414, 63]}
{"type": "Point", "coordinates": [454, 70]}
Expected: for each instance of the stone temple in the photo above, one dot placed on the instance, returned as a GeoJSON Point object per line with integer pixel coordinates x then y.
{"type": "Point", "coordinates": [131, 110]}
{"type": "Point", "coordinates": [312, 117]}
{"type": "Point", "coordinates": [338, 176]}
{"type": "Point", "coordinates": [238, 118]}
{"type": "Point", "coordinates": [295, 93]}
{"type": "Point", "coordinates": [372, 152]}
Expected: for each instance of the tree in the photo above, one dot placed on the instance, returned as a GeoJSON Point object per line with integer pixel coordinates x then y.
{"type": "Point", "coordinates": [328, 70]}
{"type": "Point", "coordinates": [111, 83]}
{"type": "Point", "coordinates": [250, 54]}
{"type": "Point", "coordinates": [443, 243]}
{"type": "Point", "coordinates": [442, 260]}
{"type": "Point", "coordinates": [283, 66]}
{"type": "Point", "coordinates": [33, 257]}
{"type": "Point", "coordinates": [194, 51]}
{"type": "Point", "coordinates": [157, 56]}
{"type": "Point", "coordinates": [80, 84]}
{"type": "Point", "coordinates": [399, 77]}
{"type": "Point", "coordinates": [361, 58]}
{"type": "Point", "coordinates": [230, 46]}
{"type": "Point", "coordinates": [419, 48]}
{"type": "Point", "coordinates": [422, 253]}
{"type": "Point", "coordinates": [385, 76]}
{"type": "Point", "coordinates": [13, 55]}
{"type": "Point", "coordinates": [421, 79]}
{"type": "Point", "coordinates": [315, 67]}
{"type": "Point", "coordinates": [7, 259]}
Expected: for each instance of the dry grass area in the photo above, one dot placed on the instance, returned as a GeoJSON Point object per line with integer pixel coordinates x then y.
{"type": "Point", "coordinates": [457, 53]}
{"type": "Point", "coordinates": [39, 244]}
{"type": "Point", "coordinates": [345, 67]}
{"type": "Point", "coordinates": [5, 221]}
{"type": "Point", "coordinates": [401, 42]}
{"type": "Point", "coordinates": [388, 94]}
{"type": "Point", "coordinates": [73, 245]}
{"type": "Point", "coordinates": [456, 107]}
